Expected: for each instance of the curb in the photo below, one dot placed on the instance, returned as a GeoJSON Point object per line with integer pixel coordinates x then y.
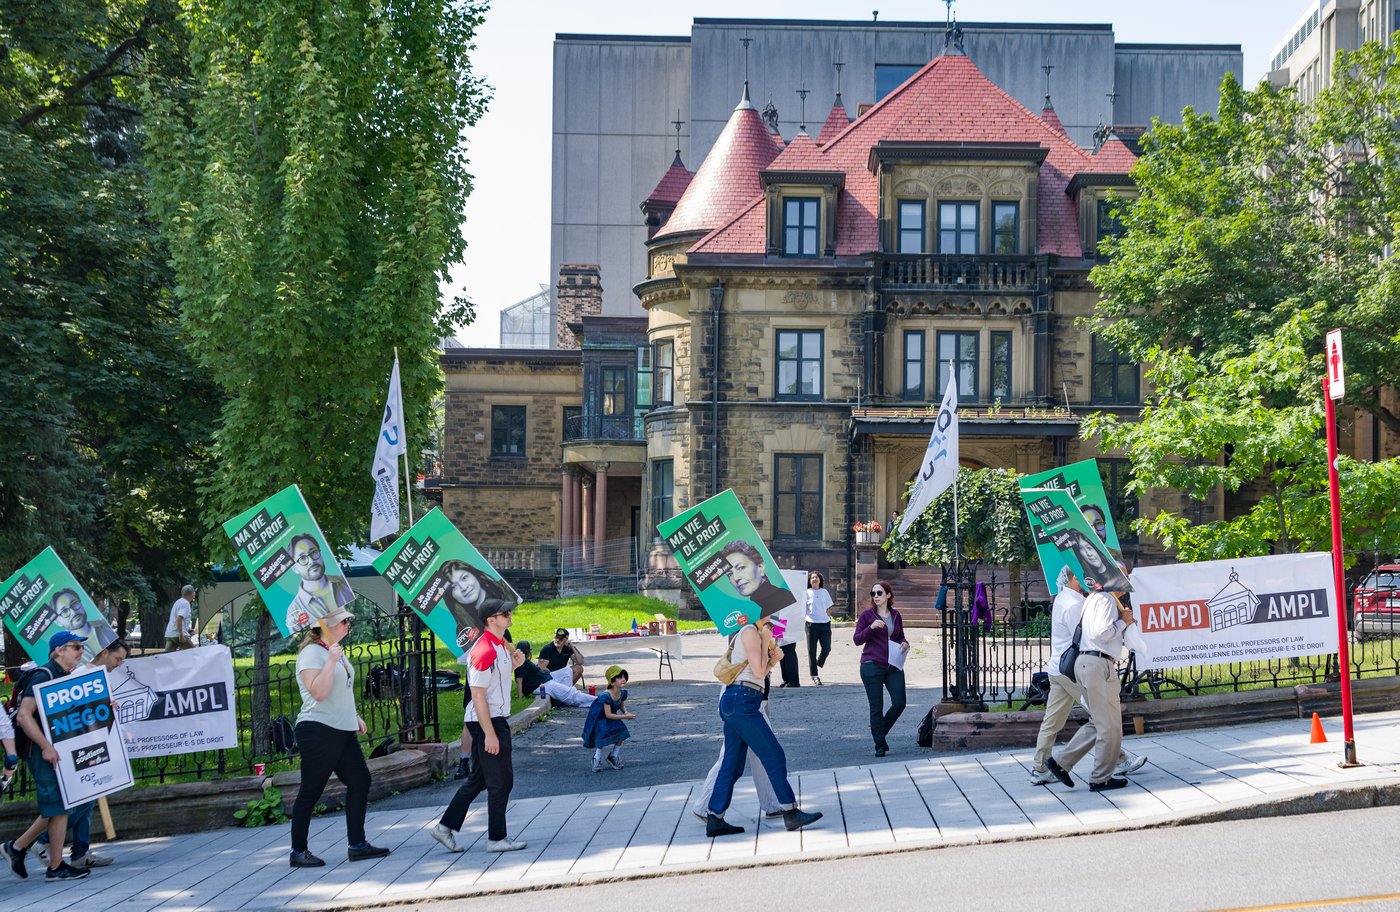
{"type": "Point", "coordinates": [1383, 792]}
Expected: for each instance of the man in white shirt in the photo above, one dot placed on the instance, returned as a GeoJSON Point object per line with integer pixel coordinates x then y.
{"type": "Point", "coordinates": [490, 673]}
{"type": "Point", "coordinates": [1064, 693]}
{"type": "Point", "coordinates": [181, 623]}
{"type": "Point", "coordinates": [1100, 647]}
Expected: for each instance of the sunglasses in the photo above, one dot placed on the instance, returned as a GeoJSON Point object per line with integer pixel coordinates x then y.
{"type": "Point", "coordinates": [878, 592]}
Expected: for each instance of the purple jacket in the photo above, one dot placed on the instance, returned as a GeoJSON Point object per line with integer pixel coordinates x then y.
{"type": "Point", "coordinates": [876, 642]}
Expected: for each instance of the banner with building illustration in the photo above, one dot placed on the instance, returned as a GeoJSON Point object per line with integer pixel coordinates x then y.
{"type": "Point", "coordinates": [42, 598]}
{"type": "Point", "coordinates": [176, 702]}
{"type": "Point", "coordinates": [285, 554]}
{"type": "Point", "coordinates": [1235, 610]}
{"type": "Point", "coordinates": [75, 715]}
{"type": "Point", "coordinates": [1064, 537]}
{"type": "Point", "coordinates": [445, 579]}
{"type": "Point", "coordinates": [1085, 485]}
{"type": "Point", "coordinates": [726, 562]}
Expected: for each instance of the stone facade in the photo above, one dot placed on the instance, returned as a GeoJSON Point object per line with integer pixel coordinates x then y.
{"type": "Point", "coordinates": [579, 294]}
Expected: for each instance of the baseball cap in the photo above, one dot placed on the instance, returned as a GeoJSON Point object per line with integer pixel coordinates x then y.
{"type": "Point", "coordinates": [561, 632]}
{"type": "Point", "coordinates": [494, 606]}
{"type": "Point", "coordinates": [63, 638]}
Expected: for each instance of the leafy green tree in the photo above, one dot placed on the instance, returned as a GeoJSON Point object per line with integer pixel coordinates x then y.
{"type": "Point", "coordinates": [311, 176]}
{"type": "Point", "coordinates": [1254, 232]}
{"type": "Point", "coordinates": [991, 520]}
{"type": "Point", "coordinates": [106, 423]}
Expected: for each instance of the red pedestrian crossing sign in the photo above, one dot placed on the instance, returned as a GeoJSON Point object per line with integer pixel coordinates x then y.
{"type": "Point", "coordinates": [1336, 374]}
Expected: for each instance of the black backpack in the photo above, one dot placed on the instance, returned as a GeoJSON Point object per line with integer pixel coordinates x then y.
{"type": "Point", "coordinates": [284, 736]}
{"type": "Point", "coordinates": [925, 736]}
{"type": "Point", "coordinates": [12, 707]}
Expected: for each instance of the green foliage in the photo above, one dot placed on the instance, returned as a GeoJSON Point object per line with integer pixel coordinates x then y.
{"type": "Point", "coordinates": [107, 421]}
{"type": "Point", "coordinates": [991, 519]}
{"type": "Point", "coordinates": [311, 176]}
{"type": "Point", "coordinates": [1252, 237]}
{"type": "Point", "coordinates": [263, 811]}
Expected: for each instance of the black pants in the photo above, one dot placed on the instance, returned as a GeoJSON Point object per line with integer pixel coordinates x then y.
{"type": "Point", "coordinates": [491, 773]}
{"type": "Point", "coordinates": [876, 678]}
{"type": "Point", "coordinates": [818, 635]}
{"type": "Point", "coordinates": [789, 666]}
{"type": "Point", "coordinates": [326, 750]}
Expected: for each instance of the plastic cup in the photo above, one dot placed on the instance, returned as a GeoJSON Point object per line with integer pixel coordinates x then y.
{"type": "Point", "coordinates": [259, 768]}
{"type": "Point", "coordinates": [593, 690]}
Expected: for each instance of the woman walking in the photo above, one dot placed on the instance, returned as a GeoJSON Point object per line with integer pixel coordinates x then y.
{"type": "Point", "coordinates": [745, 729]}
{"type": "Point", "coordinates": [877, 627]}
{"type": "Point", "coordinates": [327, 734]}
{"type": "Point", "coordinates": [818, 624]}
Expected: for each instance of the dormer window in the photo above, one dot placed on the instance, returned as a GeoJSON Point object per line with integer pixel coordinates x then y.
{"type": "Point", "coordinates": [800, 226]}
{"type": "Point", "coordinates": [957, 227]}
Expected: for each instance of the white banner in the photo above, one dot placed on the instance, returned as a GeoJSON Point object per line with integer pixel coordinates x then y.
{"type": "Point", "coordinates": [75, 712]}
{"type": "Point", "coordinates": [177, 702]}
{"type": "Point", "coordinates": [793, 618]}
{"type": "Point", "coordinates": [384, 512]}
{"type": "Point", "coordinates": [1235, 610]}
{"type": "Point", "coordinates": [940, 459]}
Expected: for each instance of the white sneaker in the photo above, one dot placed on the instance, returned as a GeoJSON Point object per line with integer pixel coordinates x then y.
{"type": "Point", "coordinates": [1130, 764]}
{"type": "Point", "coordinates": [597, 766]}
{"type": "Point", "coordinates": [504, 845]}
{"type": "Point", "coordinates": [614, 762]}
{"type": "Point", "coordinates": [445, 837]}
{"type": "Point", "coordinates": [91, 860]}
{"type": "Point", "coordinates": [1042, 777]}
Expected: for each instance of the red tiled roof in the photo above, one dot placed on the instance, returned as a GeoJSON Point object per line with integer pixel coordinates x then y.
{"type": "Point", "coordinates": [727, 180]}
{"type": "Point", "coordinates": [1113, 156]}
{"type": "Point", "coordinates": [836, 121]}
{"type": "Point", "coordinates": [672, 184]}
{"type": "Point", "coordinates": [1050, 117]}
{"type": "Point", "coordinates": [949, 100]}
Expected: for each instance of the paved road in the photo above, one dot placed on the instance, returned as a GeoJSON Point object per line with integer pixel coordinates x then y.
{"type": "Point", "coordinates": [1318, 861]}
{"type": "Point", "coordinates": [676, 736]}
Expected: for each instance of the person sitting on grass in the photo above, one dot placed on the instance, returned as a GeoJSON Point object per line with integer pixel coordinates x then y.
{"type": "Point", "coordinates": [606, 721]}
{"type": "Point", "coordinates": [555, 685]}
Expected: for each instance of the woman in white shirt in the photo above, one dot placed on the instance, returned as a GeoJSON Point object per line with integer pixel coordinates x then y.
{"type": "Point", "coordinates": [818, 623]}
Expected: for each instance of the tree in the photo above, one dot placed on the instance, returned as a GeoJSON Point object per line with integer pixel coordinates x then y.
{"type": "Point", "coordinates": [991, 519]}
{"type": "Point", "coordinates": [311, 176]}
{"type": "Point", "coordinates": [1252, 235]}
{"type": "Point", "coordinates": [105, 424]}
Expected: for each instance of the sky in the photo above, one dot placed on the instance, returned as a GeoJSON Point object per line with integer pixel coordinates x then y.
{"type": "Point", "coordinates": [508, 212]}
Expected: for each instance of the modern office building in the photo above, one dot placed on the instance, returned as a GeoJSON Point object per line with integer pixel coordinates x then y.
{"type": "Point", "coordinates": [1304, 56]}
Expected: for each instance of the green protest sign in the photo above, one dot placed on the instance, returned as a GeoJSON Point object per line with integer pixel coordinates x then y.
{"type": "Point", "coordinates": [726, 562]}
{"type": "Point", "coordinates": [42, 598]}
{"type": "Point", "coordinates": [285, 554]}
{"type": "Point", "coordinates": [1063, 537]}
{"type": "Point", "coordinates": [445, 579]}
{"type": "Point", "coordinates": [1085, 485]}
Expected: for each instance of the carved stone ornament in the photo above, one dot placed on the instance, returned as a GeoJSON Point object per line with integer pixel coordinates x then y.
{"type": "Point", "coordinates": [663, 264]}
{"type": "Point", "coordinates": [799, 299]}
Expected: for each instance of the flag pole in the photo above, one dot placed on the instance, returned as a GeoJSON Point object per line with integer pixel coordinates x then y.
{"type": "Point", "coordinates": [957, 531]}
{"type": "Point", "coordinates": [407, 479]}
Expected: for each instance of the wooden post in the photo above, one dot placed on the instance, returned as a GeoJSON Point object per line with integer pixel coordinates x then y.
{"type": "Point", "coordinates": [106, 813]}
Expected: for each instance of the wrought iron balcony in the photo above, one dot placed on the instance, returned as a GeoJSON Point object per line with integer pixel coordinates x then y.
{"type": "Point", "coordinates": [953, 273]}
{"type": "Point", "coordinates": [603, 427]}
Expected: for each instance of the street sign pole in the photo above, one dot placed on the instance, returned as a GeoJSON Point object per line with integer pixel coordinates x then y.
{"type": "Point", "coordinates": [1333, 387]}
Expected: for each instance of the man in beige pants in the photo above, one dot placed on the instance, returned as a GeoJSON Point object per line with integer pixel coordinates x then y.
{"type": "Point", "coordinates": [1064, 693]}
{"type": "Point", "coordinates": [1100, 646]}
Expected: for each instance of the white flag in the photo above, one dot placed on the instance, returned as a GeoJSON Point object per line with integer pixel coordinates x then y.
{"type": "Point", "coordinates": [940, 459]}
{"type": "Point", "coordinates": [384, 513]}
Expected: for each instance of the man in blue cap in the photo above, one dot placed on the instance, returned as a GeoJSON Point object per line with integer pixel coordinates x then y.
{"type": "Point", "coordinates": [65, 653]}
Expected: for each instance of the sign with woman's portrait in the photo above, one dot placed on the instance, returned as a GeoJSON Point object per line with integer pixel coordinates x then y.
{"type": "Point", "coordinates": [42, 598]}
{"type": "Point", "coordinates": [1084, 486]}
{"type": "Point", "coordinates": [445, 579]}
{"type": "Point", "coordinates": [1063, 537]}
{"type": "Point", "coordinates": [726, 562]}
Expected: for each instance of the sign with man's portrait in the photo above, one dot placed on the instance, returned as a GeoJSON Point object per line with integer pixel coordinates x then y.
{"type": "Point", "coordinates": [42, 598]}
{"type": "Point", "coordinates": [285, 554]}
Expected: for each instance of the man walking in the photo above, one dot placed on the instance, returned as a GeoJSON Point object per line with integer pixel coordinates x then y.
{"type": "Point", "coordinates": [65, 652]}
{"type": "Point", "coordinates": [1064, 693]}
{"type": "Point", "coordinates": [490, 664]}
{"type": "Point", "coordinates": [1101, 644]}
{"type": "Point", "coordinates": [181, 623]}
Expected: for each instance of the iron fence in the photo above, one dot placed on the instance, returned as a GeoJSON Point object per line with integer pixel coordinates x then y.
{"type": "Point", "coordinates": [396, 681]}
{"type": "Point", "coordinates": [992, 646]}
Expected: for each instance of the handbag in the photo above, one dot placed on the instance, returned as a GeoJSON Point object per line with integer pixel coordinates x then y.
{"type": "Point", "coordinates": [728, 671]}
{"type": "Point", "coordinates": [1071, 654]}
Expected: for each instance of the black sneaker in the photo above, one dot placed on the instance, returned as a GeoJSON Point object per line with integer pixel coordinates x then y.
{"type": "Point", "coordinates": [65, 871]}
{"type": "Point", "coordinates": [15, 857]}
{"type": "Point", "coordinates": [1060, 772]}
{"type": "Point", "coordinates": [464, 768]}
{"type": "Point", "coordinates": [364, 851]}
{"type": "Point", "coordinates": [306, 860]}
{"type": "Point", "coordinates": [1112, 782]}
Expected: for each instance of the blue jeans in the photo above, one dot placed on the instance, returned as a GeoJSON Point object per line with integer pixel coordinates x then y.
{"type": "Point", "coordinates": [746, 730]}
{"type": "Point", "coordinates": [79, 825]}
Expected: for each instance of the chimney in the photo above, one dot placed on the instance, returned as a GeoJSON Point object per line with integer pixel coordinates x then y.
{"type": "Point", "coordinates": [579, 294]}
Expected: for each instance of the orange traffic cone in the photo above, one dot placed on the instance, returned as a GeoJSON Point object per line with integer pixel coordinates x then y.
{"type": "Point", "coordinates": [1318, 735]}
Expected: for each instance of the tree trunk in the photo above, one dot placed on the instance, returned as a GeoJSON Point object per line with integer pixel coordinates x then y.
{"type": "Point", "coordinates": [153, 620]}
{"type": "Point", "coordinates": [262, 696]}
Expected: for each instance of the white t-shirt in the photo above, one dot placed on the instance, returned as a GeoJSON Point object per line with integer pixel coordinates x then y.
{"type": "Point", "coordinates": [1064, 617]}
{"type": "Point", "coordinates": [337, 710]}
{"type": "Point", "coordinates": [818, 606]}
{"type": "Point", "coordinates": [181, 609]}
{"type": "Point", "coordinates": [489, 666]}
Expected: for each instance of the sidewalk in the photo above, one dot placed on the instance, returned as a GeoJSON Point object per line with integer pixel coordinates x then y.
{"type": "Point", "coordinates": [919, 802]}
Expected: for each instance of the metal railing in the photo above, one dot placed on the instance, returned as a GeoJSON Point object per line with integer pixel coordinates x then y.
{"type": "Point", "coordinates": [950, 272]}
{"type": "Point", "coordinates": [604, 427]}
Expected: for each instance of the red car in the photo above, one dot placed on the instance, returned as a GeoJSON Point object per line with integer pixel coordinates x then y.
{"type": "Point", "coordinates": [1376, 603]}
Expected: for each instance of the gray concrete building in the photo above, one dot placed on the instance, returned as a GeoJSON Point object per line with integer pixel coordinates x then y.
{"type": "Point", "coordinates": [1305, 54]}
{"type": "Point", "coordinates": [616, 96]}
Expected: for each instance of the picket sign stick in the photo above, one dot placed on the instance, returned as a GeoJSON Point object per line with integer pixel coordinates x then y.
{"type": "Point", "coordinates": [106, 813]}
{"type": "Point", "coordinates": [1343, 649]}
